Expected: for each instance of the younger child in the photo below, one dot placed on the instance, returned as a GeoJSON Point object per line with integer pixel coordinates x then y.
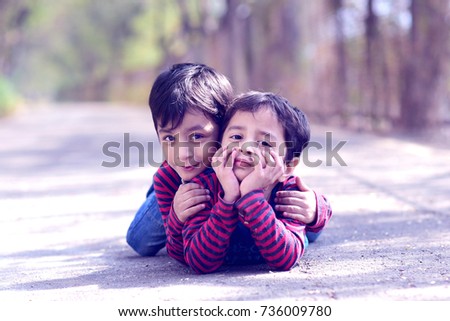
{"type": "Point", "coordinates": [263, 138]}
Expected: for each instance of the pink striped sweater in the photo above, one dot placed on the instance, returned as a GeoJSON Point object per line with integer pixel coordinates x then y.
{"type": "Point", "coordinates": [202, 241]}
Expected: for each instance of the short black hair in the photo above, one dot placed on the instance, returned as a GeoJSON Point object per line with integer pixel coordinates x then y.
{"type": "Point", "coordinates": [296, 126]}
{"type": "Point", "coordinates": [189, 85]}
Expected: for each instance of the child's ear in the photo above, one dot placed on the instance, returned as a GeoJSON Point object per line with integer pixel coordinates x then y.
{"type": "Point", "coordinates": [289, 168]}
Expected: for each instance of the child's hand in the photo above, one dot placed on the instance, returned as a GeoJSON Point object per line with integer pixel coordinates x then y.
{"type": "Point", "coordinates": [268, 169]}
{"type": "Point", "coordinates": [222, 163]}
{"type": "Point", "coordinates": [298, 205]}
{"type": "Point", "coordinates": [189, 200]}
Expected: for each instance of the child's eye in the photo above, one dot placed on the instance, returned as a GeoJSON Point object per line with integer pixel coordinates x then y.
{"type": "Point", "coordinates": [169, 138]}
{"type": "Point", "coordinates": [265, 144]}
{"type": "Point", "coordinates": [197, 136]}
{"type": "Point", "coordinates": [236, 137]}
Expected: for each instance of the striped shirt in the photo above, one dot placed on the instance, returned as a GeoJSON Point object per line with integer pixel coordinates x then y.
{"type": "Point", "coordinates": [202, 241]}
{"type": "Point", "coordinates": [207, 231]}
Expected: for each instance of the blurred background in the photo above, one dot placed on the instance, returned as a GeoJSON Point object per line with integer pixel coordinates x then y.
{"type": "Point", "coordinates": [369, 65]}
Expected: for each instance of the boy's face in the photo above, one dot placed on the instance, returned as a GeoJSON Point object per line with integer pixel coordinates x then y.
{"type": "Point", "coordinates": [254, 134]}
{"type": "Point", "coordinates": [189, 147]}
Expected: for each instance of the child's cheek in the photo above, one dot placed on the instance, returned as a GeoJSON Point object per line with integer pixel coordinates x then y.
{"type": "Point", "coordinates": [168, 152]}
{"type": "Point", "coordinates": [208, 151]}
{"type": "Point", "coordinates": [165, 149]}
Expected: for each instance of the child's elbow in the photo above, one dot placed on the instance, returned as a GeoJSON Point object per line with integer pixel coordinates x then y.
{"type": "Point", "coordinates": [286, 265]}
{"type": "Point", "coordinates": [202, 267]}
{"type": "Point", "coordinates": [203, 270]}
{"type": "Point", "coordinates": [283, 268]}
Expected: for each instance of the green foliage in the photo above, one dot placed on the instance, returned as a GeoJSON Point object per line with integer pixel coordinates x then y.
{"type": "Point", "coordinates": [156, 26]}
{"type": "Point", "coordinates": [82, 49]}
{"type": "Point", "coordinates": [73, 49]}
{"type": "Point", "coordinates": [9, 98]}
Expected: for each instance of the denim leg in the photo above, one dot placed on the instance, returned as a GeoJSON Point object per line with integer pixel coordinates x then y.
{"type": "Point", "coordinates": [312, 236]}
{"type": "Point", "coordinates": [146, 233]}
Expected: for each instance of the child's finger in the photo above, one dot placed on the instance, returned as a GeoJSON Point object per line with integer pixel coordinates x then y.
{"type": "Point", "coordinates": [196, 200]}
{"type": "Point", "coordinates": [233, 157]}
{"type": "Point", "coordinates": [190, 186]}
{"type": "Point", "coordinates": [289, 201]}
{"type": "Point", "coordinates": [265, 158]}
{"type": "Point", "coordinates": [290, 209]}
{"type": "Point", "coordinates": [224, 158]}
{"type": "Point", "coordinates": [193, 210]}
{"type": "Point", "coordinates": [196, 192]}
{"type": "Point", "coordinates": [278, 162]}
{"type": "Point", "coordinates": [220, 158]}
{"type": "Point", "coordinates": [216, 160]}
{"type": "Point", "coordinates": [259, 160]}
{"type": "Point", "coordinates": [291, 194]}
{"type": "Point", "coordinates": [301, 217]}
{"type": "Point", "coordinates": [218, 152]}
{"type": "Point", "coordinates": [296, 216]}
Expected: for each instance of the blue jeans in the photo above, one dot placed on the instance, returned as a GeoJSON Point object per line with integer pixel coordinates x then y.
{"type": "Point", "coordinates": [146, 235]}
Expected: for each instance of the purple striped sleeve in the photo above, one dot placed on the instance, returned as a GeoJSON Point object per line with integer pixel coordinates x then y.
{"type": "Point", "coordinates": [281, 241]}
{"type": "Point", "coordinates": [166, 182]}
{"type": "Point", "coordinates": [207, 234]}
{"type": "Point", "coordinates": [324, 213]}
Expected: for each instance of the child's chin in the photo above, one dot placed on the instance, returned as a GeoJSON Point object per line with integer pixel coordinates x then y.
{"type": "Point", "coordinates": [241, 173]}
{"type": "Point", "coordinates": [187, 176]}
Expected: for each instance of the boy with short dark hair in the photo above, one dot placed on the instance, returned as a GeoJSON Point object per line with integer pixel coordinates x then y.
{"type": "Point", "coordinates": [187, 102]}
{"type": "Point", "coordinates": [245, 181]}
{"type": "Point", "coordinates": [176, 90]}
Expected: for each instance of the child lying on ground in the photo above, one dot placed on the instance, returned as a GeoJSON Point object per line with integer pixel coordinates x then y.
{"type": "Point", "coordinates": [262, 140]}
{"type": "Point", "coordinates": [194, 87]}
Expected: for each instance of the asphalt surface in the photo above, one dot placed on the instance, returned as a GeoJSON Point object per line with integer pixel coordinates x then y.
{"type": "Point", "coordinates": [64, 217]}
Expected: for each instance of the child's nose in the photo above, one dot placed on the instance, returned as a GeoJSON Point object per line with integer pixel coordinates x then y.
{"type": "Point", "coordinates": [249, 148]}
{"type": "Point", "coordinates": [185, 152]}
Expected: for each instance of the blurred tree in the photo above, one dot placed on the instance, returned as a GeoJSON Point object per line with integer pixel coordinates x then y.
{"type": "Point", "coordinates": [13, 17]}
{"type": "Point", "coordinates": [377, 91]}
{"type": "Point", "coordinates": [340, 73]}
{"type": "Point", "coordinates": [352, 62]}
{"type": "Point", "coordinates": [423, 62]}
{"type": "Point", "coordinates": [95, 37]}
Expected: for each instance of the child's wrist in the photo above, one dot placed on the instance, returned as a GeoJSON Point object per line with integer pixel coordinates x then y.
{"type": "Point", "coordinates": [249, 189]}
{"type": "Point", "coordinates": [230, 197]}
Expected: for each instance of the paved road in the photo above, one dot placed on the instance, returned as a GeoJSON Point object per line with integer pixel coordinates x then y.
{"type": "Point", "coordinates": [64, 217]}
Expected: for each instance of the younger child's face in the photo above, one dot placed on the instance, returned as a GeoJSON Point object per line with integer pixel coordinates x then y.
{"type": "Point", "coordinates": [253, 133]}
{"type": "Point", "coordinates": [189, 147]}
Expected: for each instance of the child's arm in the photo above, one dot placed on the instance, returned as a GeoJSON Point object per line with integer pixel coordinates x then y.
{"type": "Point", "coordinates": [189, 200]}
{"type": "Point", "coordinates": [167, 182]}
{"type": "Point", "coordinates": [281, 241]}
{"type": "Point", "coordinates": [306, 206]}
{"type": "Point", "coordinates": [222, 163]}
{"type": "Point", "coordinates": [207, 234]}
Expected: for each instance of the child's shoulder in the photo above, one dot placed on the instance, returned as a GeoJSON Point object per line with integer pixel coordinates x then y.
{"type": "Point", "coordinates": [166, 169]}
{"type": "Point", "coordinates": [207, 178]}
{"type": "Point", "coordinates": [167, 176]}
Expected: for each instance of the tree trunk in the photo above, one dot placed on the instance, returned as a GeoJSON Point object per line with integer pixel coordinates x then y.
{"type": "Point", "coordinates": [422, 68]}
{"type": "Point", "coordinates": [340, 84]}
{"type": "Point", "coordinates": [377, 91]}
